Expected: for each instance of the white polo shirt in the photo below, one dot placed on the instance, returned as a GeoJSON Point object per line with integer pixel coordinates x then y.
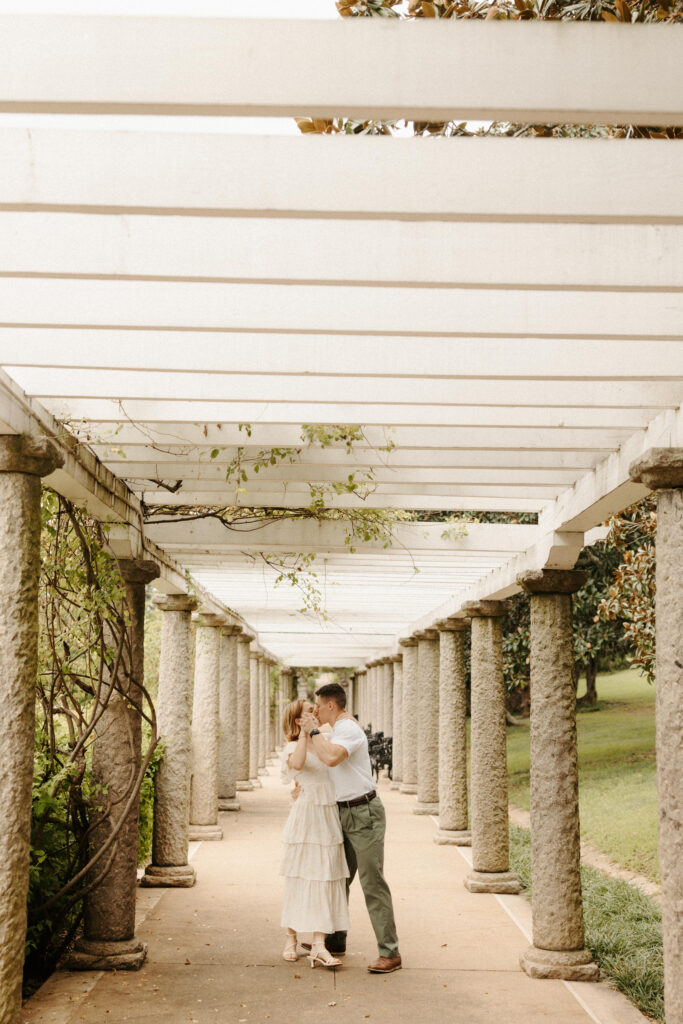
{"type": "Point", "coordinates": [353, 777]}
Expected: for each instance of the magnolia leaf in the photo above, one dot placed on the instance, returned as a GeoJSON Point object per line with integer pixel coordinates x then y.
{"type": "Point", "coordinates": [608, 16]}
{"type": "Point", "coordinates": [428, 10]}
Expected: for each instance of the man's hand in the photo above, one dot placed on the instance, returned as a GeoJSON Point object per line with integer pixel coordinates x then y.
{"type": "Point", "coordinates": [308, 723]}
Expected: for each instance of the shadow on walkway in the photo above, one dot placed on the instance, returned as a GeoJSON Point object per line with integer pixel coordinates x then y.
{"type": "Point", "coordinates": [214, 950]}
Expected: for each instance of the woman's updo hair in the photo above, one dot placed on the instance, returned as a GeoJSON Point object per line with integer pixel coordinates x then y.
{"type": "Point", "coordinates": [289, 725]}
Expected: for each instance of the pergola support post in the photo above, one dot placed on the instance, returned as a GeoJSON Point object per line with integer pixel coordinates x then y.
{"type": "Point", "coordinates": [254, 719]}
{"type": "Point", "coordinates": [243, 712]}
{"type": "Point", "coordinates": [409, 716]}
{"type": "Point", "coordinates": [397, 737]}
{"type": "Point", "coordinates": [170, 865]}
{"type": "Point", "coordinates": [662, 470]}
{"type": "Point", "coordinates": [109, 941]}
{"type": "Point", "coordinates": [427, 707]}
{"type": "Point", "coordinates": [453, 805]}
{"type": "Point", "coordinates": [204, 790]}
{"type": "Point", "coordinates": [22, 463]}
{"type": "Point", "coordinates": [488, 768]}
{"type": "Point", "coordinates": [227, 719]}
{"type": "Point", "coordinates": [557, 910]}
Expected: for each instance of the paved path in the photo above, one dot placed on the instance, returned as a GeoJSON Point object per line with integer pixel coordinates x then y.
{"type": "Point", "coordinates": [214, 950]}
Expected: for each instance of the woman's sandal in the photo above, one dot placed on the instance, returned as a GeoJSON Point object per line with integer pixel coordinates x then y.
{"type": "Point", "coordinates": [289, 953]}
{"type": "Point", "coordinates": [321, 956]}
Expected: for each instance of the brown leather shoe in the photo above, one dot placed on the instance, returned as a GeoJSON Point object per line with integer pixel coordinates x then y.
{"type": "Point", "coordinates": [385, 965]}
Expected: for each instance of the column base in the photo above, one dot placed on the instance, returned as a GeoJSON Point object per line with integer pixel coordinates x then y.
{"type": "Point", "coordinates": [263, 771]}
{"type": "Point", "coordinates": [256, 783]}
{"type": "Point", "coordinates": [493, 881]}
{"type": "Point", "coordinates": [453, 837]}
{"type": "Point", "coordinates": [422, 808]}
{"type": "Point", "coordinates": [244, 787]}
{"type": "Point", "coordinates": [181, 876]}
{"type": "Point", "coordinates": [91, 955]}
{"type": "Point", "coordinates": [229, 804]}
{"type": "Point", "coordinates": [394, 785]}
{"type": "Point", "coordinates": [205, 833]}
{"type": "Point", "coordinates": [569, 965]}
{"type": "Point", "coordinates": [408, 787]}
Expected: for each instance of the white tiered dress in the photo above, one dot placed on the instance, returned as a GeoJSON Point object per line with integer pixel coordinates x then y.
{"type": "Point", "coordinates": [313, 861]}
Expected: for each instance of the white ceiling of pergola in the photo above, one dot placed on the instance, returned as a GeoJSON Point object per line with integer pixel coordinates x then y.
{"type": "Point", "coordinates": [507, 312]}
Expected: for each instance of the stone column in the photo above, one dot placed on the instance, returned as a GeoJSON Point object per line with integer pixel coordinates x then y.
{"type": "Point", "coordinates": [255, 718]}
{"type": "Point", "coordinates": [557, 909]}
{"type": "Point", "coordinates": [372, 706]}
{"type": "Point", "coordinates": [227, 719]}
{"type": "Point", "coordinates": [377, 699]}
{"type": "Point", "coordinates": [262, 714]}
{"type": "Point", "coordinates": [169, 865]}
{"type": "Point", "coordinates": [243, 702]}
{"type": "Point", "coordinates": [397, 744]}
{"type": "Point", "coordinates": [273, 706]}
{"type": "Point", "coordinates": [488, 761]}
{"type": "Point", "coordinates": [23, 461]}
{"type": "Point", "coordinates": [387, 671]}
{"type": "Point", "coordinates": [453, 825]}
{"type": "Point", "coordinates": [427, 722]}
{"type": "Point", "coordinates": [409, 716]}
{"type": "Point", "coordinates": [361, 699]}
{"type": "Point", "coordinates": [301, 691]}
{"type": "Point", "coordinates": [109, 941]}
{"type": "Point", "coordinates": [286, 677]}
{"type": "Point", "coordinates": [204, 790]}
{"type": "Point", "coordinates": [351, 695]}
{"type": "Point", "coordinates": [662, 470]}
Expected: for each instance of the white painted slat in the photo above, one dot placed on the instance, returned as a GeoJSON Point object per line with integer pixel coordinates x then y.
{"type": "Point", "coordinates": [285, 308]}
{"type": "Point", "coordinates": [345, 355]}
{"type": "Point", "coordinates": [345, 391]}
{"type": "Point", "coordinates": [335, 251]}
{"type": "Point", "coordinates": [439, 502]}
{"type": "Point", "coordinates": [46, 169]}
{"type": "Point", "coordinates": [356, 67]}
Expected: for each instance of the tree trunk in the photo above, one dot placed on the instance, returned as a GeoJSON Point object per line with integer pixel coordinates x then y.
{"type": "Point", "coordinates": [590, 697]}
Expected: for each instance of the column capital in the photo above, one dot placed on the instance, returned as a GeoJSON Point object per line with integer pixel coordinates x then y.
{"type": "Point", "coordinates": [231, 629]}
{"type": "Point", "coordinates": [396, 658]}
{"type": "Point", "coordinates": [453, 625]}
{"type": "Point", "coordinates": [658, 468]}
{"type": "Point", "coordinates": [245, 638]}
{"type": "Point", "coordinates": [384, 661]}
{"type": "Point", "coordinates": [138, 570]}
{"type": "Point", "coordinates": [486, 609]}
{"type": "Point", "coordinates": [208, 619]}
{"type": "Point", "coordinates": [408, 641]}
{"type": "Point", "coordinates": [286, 670]}
{"type": "Point", "coordinates": [175, 602]}
{"type": "Point", "coordinates": [552, 581]}
{"type": "Point", "coordinates": [36, 456]}
{"type": "Point", "coordinates": [426, 634]}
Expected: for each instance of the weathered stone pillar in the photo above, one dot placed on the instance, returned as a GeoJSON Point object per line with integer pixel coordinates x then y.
{"type": "Point", "coordinates": [397, 717]}
{"type": "Point", "coordinates": [109, 941]}
{"type": "Point", "coordinates": [262, 714]}
{"type": "Point", "coordinates": [662, 470]}
{"type": "Point", "coordinates": [301, 691]}
{"type": "Point", "coordinates": [169, 865]}
{"type": "Point", "coordinates": [227, 719]}
{"type": "Point", "coordinates": [409, 716]}
{"type": "Point", "coordinates": [427, 722]}
{"type": "Point", "coordinates": [387, 671]}
{"type": "Point", "coordinates": [372, 697]}
{"type": "Point", "coordinates": [272, 705]}
{"type": "Point", "coordinates": [362, 697]}
{"type": "Point", "coordinates": [286, 675]}
{"type": "Point", "coordinates": [255, 718]}
{"type": "Point", "coordinates": [23, 461]}
{"type": "Point", "coordinates": [488, 761]}
{"type": "Point", "coordinates": [243, 702]}
{"type": "Point", "coordinates": [557, 909]}
{"type": "Point", "coordinates": [453, 825]}
{"type": "Point", "coordinates": [204, 790]}
{"type": "Point", "coordinates": [351, 695]}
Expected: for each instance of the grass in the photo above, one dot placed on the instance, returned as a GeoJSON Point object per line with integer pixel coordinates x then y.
{"type": "Point", "coordinates": [617, 783]}
{"type": "Point", "coordinates": [623, 929]}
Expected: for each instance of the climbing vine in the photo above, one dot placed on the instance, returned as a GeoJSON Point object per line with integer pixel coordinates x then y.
{"type": "Point", "coordinates": [84, 661]}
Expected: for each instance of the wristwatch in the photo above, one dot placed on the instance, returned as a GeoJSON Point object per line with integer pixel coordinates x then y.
{"type": "Point", "coordinates": [314, 732]}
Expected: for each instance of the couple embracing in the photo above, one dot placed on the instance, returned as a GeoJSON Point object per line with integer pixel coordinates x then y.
{"type": "Point", "coordinates": [335, 828]}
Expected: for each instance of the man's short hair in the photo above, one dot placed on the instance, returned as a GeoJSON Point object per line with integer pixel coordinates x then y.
{"type": "Point", "coordinates": [333, 691]}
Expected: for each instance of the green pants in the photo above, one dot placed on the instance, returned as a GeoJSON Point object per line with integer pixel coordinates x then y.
{"type": "Point", "coordinates": [364, 827]}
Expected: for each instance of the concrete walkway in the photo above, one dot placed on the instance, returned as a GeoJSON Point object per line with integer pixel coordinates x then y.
{"type": "Point", "coordinates": [214, 950]}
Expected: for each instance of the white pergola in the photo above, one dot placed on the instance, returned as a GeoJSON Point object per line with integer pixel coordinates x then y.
{"type": "Point", "coordinates": [508, 313]}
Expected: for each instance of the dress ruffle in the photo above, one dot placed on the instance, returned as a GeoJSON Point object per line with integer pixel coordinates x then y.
{"type": "Point", "coordinates": [313, 906]}
{"type": "Point", "coordinates": [314, 862]}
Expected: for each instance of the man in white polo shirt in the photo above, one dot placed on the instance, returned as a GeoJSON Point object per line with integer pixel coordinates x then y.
{"type": "Point", "coordinates": [345, 751]}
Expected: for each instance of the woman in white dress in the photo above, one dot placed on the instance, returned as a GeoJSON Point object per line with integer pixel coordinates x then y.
{"type": "Point", "coordinates": [313, 861]}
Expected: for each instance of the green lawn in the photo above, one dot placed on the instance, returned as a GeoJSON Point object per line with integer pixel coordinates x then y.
{"type": "Point", "coordinates": [617, 784]}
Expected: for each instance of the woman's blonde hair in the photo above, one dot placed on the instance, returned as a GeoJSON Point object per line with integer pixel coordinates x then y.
{"type": "Point", "coordinates": [289, 724]}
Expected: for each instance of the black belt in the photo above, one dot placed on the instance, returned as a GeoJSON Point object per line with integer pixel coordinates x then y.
{"type": "Point", "coordinates": [365, 799]}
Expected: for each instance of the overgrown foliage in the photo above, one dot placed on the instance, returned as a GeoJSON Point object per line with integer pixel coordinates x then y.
{"type": "Point", "coordinates": [84, 664]}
